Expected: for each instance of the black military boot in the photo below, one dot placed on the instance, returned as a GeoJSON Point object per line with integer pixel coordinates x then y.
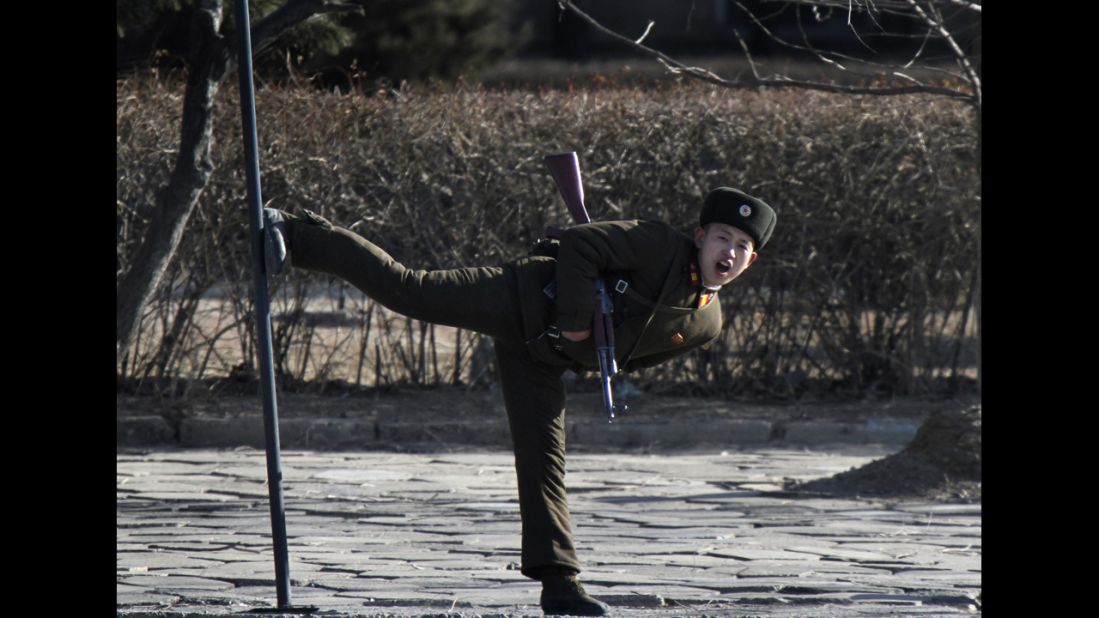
{"type": "Point", "coordinates": [563, 595]}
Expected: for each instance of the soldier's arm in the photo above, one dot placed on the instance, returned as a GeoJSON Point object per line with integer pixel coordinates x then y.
{"type": "Point", "coordinates": [590, 249]}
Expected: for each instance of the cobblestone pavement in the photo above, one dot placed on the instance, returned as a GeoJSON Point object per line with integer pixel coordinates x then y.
{"type": "Point", "coordinates": [437, 534]}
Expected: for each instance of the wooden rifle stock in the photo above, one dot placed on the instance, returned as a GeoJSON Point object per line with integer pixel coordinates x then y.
{"type": "Point", "coordinates": [565, 169]}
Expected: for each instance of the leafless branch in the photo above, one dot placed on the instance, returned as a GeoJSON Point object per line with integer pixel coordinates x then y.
{"type": "Point", "coordinates": [937, 24]}
{"type": "Point", "coordinates": [266, 30]}
{"type": "Point", "coordinates": [676, 67]}
{"type": "Point", "coordinates": [850, 9]}
{"type": "Point", "coordinates": [966, 5]}
{"type": "Point", "coordinates": [919, 52]}
{"type": "Point", "coordinates": [880, 6]}
{"type": "Point", "coordinates": [870, 13]}
{"type": "Point", "coordinates": [673, 65]}
{"type": "Point", "coordinates": [882, 68]}
{"type": "Point", "coordinates": [748, 56]}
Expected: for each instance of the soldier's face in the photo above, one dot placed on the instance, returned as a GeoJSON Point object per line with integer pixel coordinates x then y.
{"type": "Point", "coordinates": [724, 252]}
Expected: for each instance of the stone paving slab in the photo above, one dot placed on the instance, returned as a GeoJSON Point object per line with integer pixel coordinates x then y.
{"type": "Point", "coordinates": [405, 534]}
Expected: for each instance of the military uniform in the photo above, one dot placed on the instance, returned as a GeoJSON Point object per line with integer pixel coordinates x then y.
{"type": "Point", "coordinates": [523, 305]}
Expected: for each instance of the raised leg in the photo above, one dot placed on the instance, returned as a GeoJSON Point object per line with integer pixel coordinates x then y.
{"type": "Point", "coordinates": [479, 299]}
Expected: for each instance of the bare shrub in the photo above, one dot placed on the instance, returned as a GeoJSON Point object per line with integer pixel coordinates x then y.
{"type": "Point", "coordinates": [866, 287]}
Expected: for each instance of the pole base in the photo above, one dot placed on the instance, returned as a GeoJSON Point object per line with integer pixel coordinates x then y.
{"type": "Point", "coordinates": [289, 609]}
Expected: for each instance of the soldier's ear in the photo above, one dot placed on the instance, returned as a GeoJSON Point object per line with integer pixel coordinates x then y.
{"type": "Point", "coordinates": [752, 258]}
{"type": "Point", "coordinates": [699, 235]}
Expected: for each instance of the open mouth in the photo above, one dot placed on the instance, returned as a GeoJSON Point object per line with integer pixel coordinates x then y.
{"type": "Point", "coordinates": [723, 267]}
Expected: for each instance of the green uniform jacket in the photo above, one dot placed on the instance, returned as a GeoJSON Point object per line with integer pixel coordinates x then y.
{"type": "Point", "coordinates": [653, 258]}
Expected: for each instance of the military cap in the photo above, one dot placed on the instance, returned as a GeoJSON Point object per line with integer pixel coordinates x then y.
{"type": "Point", "coordinates": [740, 210]}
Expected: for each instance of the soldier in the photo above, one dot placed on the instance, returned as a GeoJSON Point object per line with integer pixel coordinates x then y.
{"type": "Point", "coordinates": [538, 310]}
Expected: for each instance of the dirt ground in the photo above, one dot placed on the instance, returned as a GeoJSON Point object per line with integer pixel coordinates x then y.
{"type": "Point", "coordinates": [942, 463]}
{"type": "Point", "coordinates": [460, 403]}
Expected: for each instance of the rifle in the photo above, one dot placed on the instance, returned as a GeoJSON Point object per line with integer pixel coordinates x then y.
{"type": "Point", "coordinates": [565, 168]}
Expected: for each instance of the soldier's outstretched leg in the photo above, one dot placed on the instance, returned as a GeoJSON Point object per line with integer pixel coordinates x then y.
{"type": "Point", "coordinates": [534, 396]}
{"type": "Point", "coordinates": [478, 299]}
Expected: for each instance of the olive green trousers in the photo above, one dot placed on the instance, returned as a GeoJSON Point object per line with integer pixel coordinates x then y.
{"type": "Point", "coordinates": [483, 300]}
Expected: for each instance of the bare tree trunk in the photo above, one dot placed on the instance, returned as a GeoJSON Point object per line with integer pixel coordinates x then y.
{"type": "Point", "coordinates": [211, 58]}
{"type": "Point", "coordinates": [177, 199]}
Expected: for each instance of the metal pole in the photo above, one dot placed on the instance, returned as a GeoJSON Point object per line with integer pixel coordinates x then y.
{"type": "Point", "coordinates": [263, 310]}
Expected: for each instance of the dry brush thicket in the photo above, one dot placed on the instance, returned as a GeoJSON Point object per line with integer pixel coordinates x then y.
{"type": "Point", "coordinates": [868, 285]}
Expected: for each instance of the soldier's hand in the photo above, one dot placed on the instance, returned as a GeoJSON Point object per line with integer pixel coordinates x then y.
{"type": "Point", "coordinates": [576, 335]}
